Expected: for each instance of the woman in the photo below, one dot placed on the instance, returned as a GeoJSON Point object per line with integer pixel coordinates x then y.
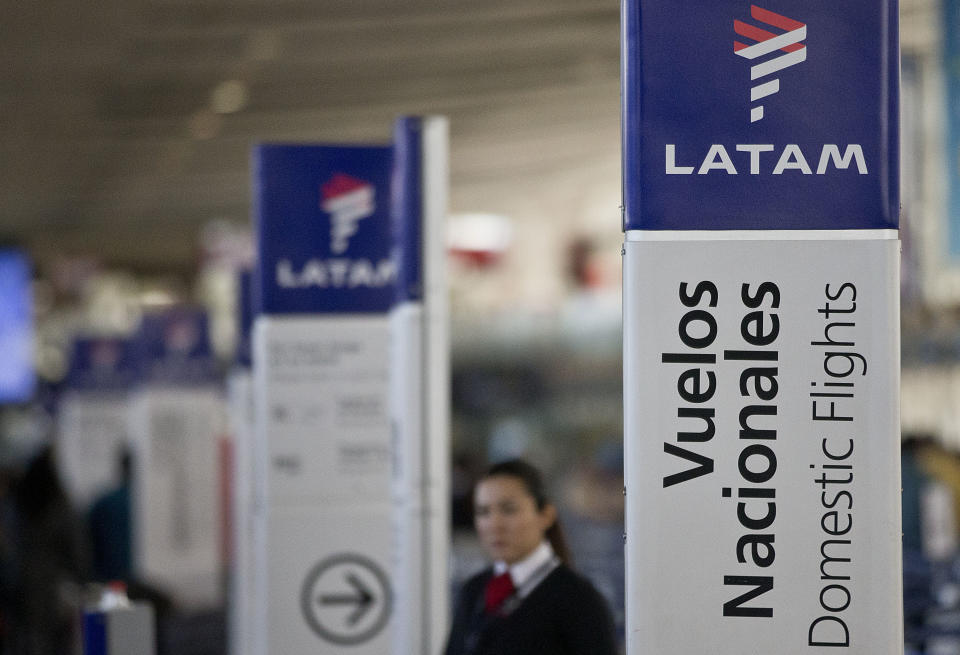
{"type": "Point", "coordinates": [529, 602]}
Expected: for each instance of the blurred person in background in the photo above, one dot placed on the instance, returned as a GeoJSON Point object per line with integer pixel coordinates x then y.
{"type": "Point", "coordinates": [110, 528]}
{"type": "Point", "coordinates": [9, 557]}
{"type": "Point", "coordinates": [462, 480]}
{"type": "Point", "coordinates": [913, 480]}
{"type": "Point", "coordinates": [593, 518]}
{"type": "Point", "coordinates": [930, 503]}
{"type": "Point", "coordinates": [594, 489]}
{"type": "Point", "coordinates": [930, 499]}
{"type": "Point", "coordinates": [917, 582]}
{"type": "Point", "coordinates": [52, 559]}
{"type": "Point", "coordinates": [529, 602]}
{"type": "Point", "coordinates": [940, 502]}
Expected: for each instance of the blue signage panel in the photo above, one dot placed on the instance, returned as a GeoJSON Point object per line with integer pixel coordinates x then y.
{"type": "Point", "coordinates": [101, 364]}
{"type": "Point", "coordinates": [244, 318]}
{"type": "Point", "coordinates": [778, 115]}
{"type": "Point", "coordinates": [951, 72]}
{"type": "Point", "coordinates": [323, 229]}
{"type": "Point", "coordinates": [407, 188]}
{"type": "Point", "coordinates": [173, 347]}
{"type": "Point", "coordinates": [17, 375]}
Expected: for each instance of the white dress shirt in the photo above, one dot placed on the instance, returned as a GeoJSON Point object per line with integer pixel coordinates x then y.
{"type": "Point", "coordinates": [531, 570]}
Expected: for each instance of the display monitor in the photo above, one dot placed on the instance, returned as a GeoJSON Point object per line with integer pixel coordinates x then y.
{"type": "Point", "coordinates": [17, 374]}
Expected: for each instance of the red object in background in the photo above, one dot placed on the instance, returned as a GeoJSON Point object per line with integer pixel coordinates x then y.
{"type": "Point", "coordinates": [478, 240]}
{"type": "Point", "coordinates": [477, 258]}
{"type": "Point", "coordinates": [582, 264]}
{"type": "Point", "coordinates": [226, 500]}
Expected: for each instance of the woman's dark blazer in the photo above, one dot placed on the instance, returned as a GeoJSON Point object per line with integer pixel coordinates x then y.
{"type": "Point", "coordinates": [563, 615]}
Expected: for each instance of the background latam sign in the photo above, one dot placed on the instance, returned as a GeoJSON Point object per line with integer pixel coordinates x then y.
{"type": "Point", "coordinates": [323, 228]}
{"type": "Point", "coordinates": [346, 200]}
{"type": "Point", "coordinates": [790, 116]}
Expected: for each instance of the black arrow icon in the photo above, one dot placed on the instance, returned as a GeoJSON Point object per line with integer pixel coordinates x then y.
{"type": "Point", "coordinates": [362, 599]}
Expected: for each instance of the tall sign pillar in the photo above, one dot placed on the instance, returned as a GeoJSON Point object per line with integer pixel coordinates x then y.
{"type": "Point", "coordinates": [244, 592]}
{"type": "Point", "coordinates": [321, 341]}
{"type": "Point", "coordinates": [420, 386]}
{"type": "Point", "coordinates": [94, 417]}
{"type": "Point", "coordinates": [761, 327]}
{"type": "Point", "coordinates": [176, 419]}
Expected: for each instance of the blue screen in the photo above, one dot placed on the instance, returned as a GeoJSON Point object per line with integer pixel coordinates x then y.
{"type": "Point", "coordinates": [17, 375]}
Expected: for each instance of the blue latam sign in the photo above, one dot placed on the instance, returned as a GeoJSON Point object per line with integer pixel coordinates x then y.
{"type": "Point", "coordinates": [323, 229]}
{"type": "Point", "coordinates": [951, 70]}
{"type": "Point", "coordinates": [172, 347]}
{"type": "Point", "coordinates": [782, 115]}
{"type": "Point", "coordinates": [101, 364]}
{"type": "Point", "coordinates": [244, 350]}
{"type": "Point", "coordinates": [407, 209]}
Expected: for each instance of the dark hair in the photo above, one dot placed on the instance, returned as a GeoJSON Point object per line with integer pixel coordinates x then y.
{"type": "Point", "coordinates": [532, 481]}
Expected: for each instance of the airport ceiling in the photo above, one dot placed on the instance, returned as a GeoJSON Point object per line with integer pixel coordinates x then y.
{"type": "Point", "coordinates": [126, 124]}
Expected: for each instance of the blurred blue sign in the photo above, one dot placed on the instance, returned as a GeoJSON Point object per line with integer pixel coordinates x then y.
{"type": "Point", "coordinates": [17, 375]}
{"type": "Point", "coordinates": [780, 115]}
{"type": "Point", "coordinates": [101, 364]}
{"type": "Point", "coordinates": [951, 51]}
{"type": "Point", "coordinates": [173, 348]}
{"type": "Point", "coordinates": [244, 353]}
{"type": "Point", "coordinates": [323, 229]}
{"type": "Point", "coordinates": [407, 189]}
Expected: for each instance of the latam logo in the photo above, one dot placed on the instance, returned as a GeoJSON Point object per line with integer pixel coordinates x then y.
{"type": "Point", "coordinates": [756, 161]}
{"type": "Point", "coordinates": [104, 355]}
{"type": "Point", "coordinates": [348, 201]}
{"type": "Point", "coordinates": [767, 43]}
{"type": "Point", "coordinates": [180, 336]}
{"type": "Point", "coordinates": [336, 273]}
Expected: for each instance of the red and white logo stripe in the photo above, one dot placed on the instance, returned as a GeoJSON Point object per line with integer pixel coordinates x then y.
{"type": "Point", "coordinates": [348, 201]}
{"type": "Point", "coordinates": [766, 42]}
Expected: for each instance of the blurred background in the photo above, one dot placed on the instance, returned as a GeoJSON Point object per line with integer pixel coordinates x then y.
{"type": "Point", "coordinates": [125, 185]}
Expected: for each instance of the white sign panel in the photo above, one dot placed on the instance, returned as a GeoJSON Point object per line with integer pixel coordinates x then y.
{"type": "Point", "coordinates": [420, 387]}
{"type": "Point", "coordinates": [761, 380]}
{"type": "Point", "coordinates": [92, 435]}
{"type": "Point", "coordinates": [243, 592]}
{"type": "Point", "coordinates": [421, 514]}
{"type": "Point", "coordinates": [322, 386]}
{"type": "Point", "coordinates": [327, 579]}
{"type": "Point", "coordinates": [176, 492]}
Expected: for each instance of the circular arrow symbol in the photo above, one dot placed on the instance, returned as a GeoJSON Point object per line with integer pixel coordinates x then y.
{"type": "Point", "coordinates": [346, 599]}
{"type": "Point", "coordinates": [362, 599]}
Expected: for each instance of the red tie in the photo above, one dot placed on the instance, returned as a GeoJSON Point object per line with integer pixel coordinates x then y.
{"type": "Point", "coordinates": [499, 588]}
